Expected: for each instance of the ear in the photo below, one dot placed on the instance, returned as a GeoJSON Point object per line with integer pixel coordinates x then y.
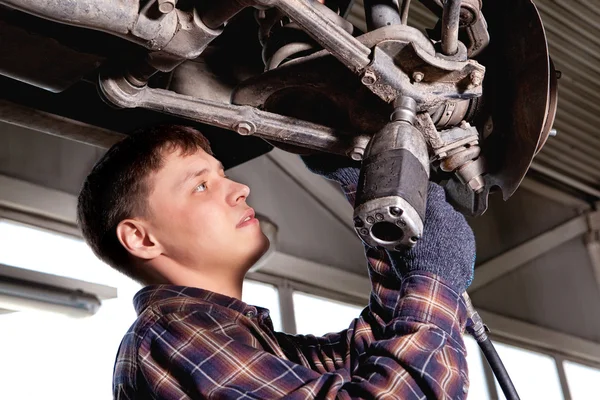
{"type": "Point", "coordinates": [136, 239]}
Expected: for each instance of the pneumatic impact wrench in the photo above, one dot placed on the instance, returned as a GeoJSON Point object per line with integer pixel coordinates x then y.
{"type": "Point", "coordinates": [392, 189]}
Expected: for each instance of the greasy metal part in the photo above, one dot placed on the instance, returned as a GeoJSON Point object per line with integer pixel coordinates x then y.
{"type": "Point", "coordinates": [242, 119]}
{"type": "Point", "coordinates": [473, 23]}
{"type": "Point", "coordinates": [380, 13]}
{"type": "Point", "coordinates": [178, 34]}
{"type": "Point", "coordinates": [166, 6]}
{"type": "Point", "coordinates": [216, 13]}
{"type": "Point", "coordinates": [116, 17]}
{"type": "Point", "coordinates": [450, 24]}
{"type": "Point", "coordinates": [317, 21]}
{"type": "Point", "coordinates": [392, 188]}
{"type": "Point", "coordinates": [400, 51]}
{"type": "Point", "coordinates": [404, 10]}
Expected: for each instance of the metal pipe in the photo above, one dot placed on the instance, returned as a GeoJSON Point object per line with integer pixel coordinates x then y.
{"type": "Point", "coordinates": [404, 12]}
{"type": "Point", "coordinates": [380, 13]}
{"type": "Point", "coordinates": [216, 13]}
{"type": "Point", "coordinates": [318, 21]}
{"type": "Point", "coordinates": [450, 24]}
{"type": "Point", "coordinates": [115, 17]}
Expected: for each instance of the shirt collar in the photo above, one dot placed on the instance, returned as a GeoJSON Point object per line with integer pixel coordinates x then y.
{"type": "Point", "coordinates": [152, 294]}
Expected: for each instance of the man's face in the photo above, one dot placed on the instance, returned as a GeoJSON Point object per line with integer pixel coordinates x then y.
{"type": "Point", "coordinates": [197, 213]}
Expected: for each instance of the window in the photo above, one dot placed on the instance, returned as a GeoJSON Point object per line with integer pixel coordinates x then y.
{"type": "Point", "coordinates": [318, 316]}
{"type": "Point", "coordinates": [263, 295]}
{"type": "Point", "coordinates": [47, 355]}
{"type": "Point", "coordinates": [478, 389]}
{"type": "Point", "coordinates": [533, 374]}
{"type": "Point", "coordinates": [584, 381]}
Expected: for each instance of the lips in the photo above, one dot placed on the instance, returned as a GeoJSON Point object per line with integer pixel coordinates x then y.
{"type": "Point", "coordinates": [248, 215]}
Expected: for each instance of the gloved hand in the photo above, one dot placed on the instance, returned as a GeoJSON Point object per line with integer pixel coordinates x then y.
{"type": "Point", "coordinates": [447, 247]}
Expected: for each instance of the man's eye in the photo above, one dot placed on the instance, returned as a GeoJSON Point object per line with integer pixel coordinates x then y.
{"type": "Point", "coordinates": [201, 187]}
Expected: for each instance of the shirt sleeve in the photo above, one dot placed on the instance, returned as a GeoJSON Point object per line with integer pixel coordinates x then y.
{"type": "Point", "coordinates": [418, 354]}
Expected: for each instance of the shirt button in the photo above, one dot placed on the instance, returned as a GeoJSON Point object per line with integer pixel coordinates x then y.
{"type": "Point", "coordinates": [250, 314]}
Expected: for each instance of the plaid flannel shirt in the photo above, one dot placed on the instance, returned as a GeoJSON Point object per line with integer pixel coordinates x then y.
{"type": "Point", "coordinates": [189, 343]}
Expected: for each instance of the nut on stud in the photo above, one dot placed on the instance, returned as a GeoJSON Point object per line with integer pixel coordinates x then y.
{"type": "Point", "coordinates": [418, 76]}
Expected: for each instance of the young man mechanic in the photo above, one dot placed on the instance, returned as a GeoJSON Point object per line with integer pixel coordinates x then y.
{"type": "Point", "coordinates": [159, 208]}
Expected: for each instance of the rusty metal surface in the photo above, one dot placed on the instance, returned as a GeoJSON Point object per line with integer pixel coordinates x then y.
{"type": "Point", "coordinates": [520, 90]}
{"type": "Point", "coordinates": [244, 120]}
{"type": "Point", "coordinates": [318, 88]}
{"type": "Point", "coordinates": [450, 24]}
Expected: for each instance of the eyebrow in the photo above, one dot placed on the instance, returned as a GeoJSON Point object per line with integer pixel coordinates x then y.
{"type": "Point", "coordinates": [194, 174]}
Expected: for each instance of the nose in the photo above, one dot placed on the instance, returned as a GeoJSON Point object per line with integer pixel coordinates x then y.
{"type": "Point", "coordinates": [238, 193]}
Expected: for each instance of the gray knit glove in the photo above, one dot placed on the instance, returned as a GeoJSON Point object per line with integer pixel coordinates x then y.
{"type": "Point", "coordinates": [447, 247]}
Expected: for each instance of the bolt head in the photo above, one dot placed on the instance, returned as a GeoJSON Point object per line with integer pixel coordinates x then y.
{"type": "Point", "coordinates": [370, 220]}
{"type": "Point", "coordinates": [364, 232]}
{"type": "Point", "coordinates": [244, 128]}
{"type": "Point", "coordinates": [418, 76]}
{"type": "Point", "coordinates": [379, 217]}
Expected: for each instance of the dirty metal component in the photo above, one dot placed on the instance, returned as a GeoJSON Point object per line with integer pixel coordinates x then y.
{"type": "Point", "coordinates": [216, 13]}
{"type": "Point", "coordinates": [179, 34]}
{"type": "Point", "coordinates": [400, 53]}
{"type": "Point", "coordinates": [472, 23]}
{"type": "Point", "coordinates": [520, 93]}
{"type": "Point", "coordinates": [380, 13]}
{"type": "Point", "coordinates": [392, 188]}
{"type": "Point", "coordinates": [316, 19]}
{"type": "Point", "coordinates": [404, 11]}
{"type": "Point", "coordinates": [450, 23]}
{"type": "Point", "coordinates": [116, 17]}
{"type": "Point", "coordinates": [166, 6]}
{"type": "Point", "coordinates": [243, 119]}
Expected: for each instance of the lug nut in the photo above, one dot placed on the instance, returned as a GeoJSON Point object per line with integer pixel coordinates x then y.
{"type": "Point", "coordinates": [379, 217]}
{"type": "Point", "coordinates": [358, 222]}
{"type": "Point", "coordinates": [370, 220]}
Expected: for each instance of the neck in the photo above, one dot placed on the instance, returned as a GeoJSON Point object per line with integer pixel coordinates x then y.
{"type": "Point", "coordinates": [228, 283]}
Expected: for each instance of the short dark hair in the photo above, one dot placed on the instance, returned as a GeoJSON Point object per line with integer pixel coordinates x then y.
{"type": "Point", "coordinates": [117, 188]}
